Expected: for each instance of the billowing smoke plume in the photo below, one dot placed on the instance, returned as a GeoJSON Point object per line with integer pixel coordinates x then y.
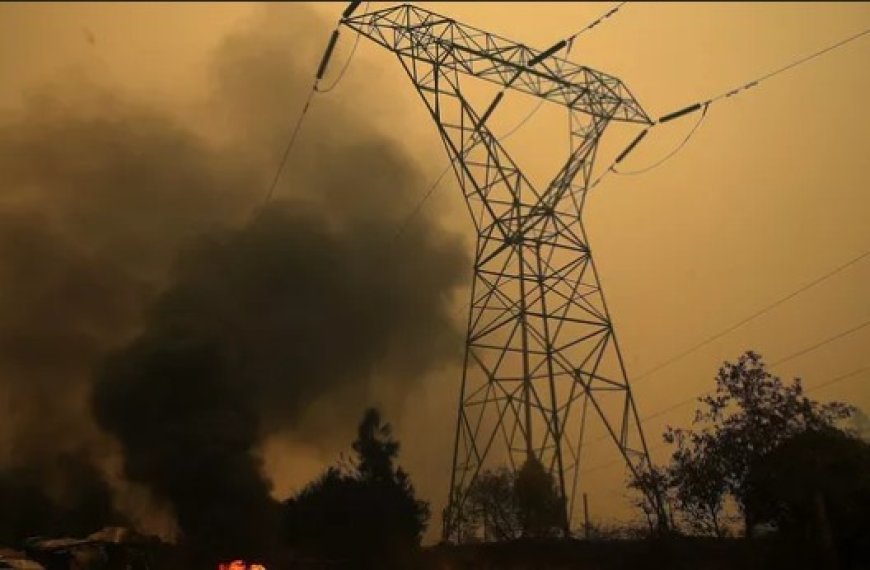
{"type": "Point", "coordinates": [258, 324]}
{"type": "Point", "coordinates": [95, 201]}
{"type": "Point", "coordinates": [144, 311]}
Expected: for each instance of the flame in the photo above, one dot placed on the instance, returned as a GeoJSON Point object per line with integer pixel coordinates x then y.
{"type": "Point", "coordinates": [239, 565]}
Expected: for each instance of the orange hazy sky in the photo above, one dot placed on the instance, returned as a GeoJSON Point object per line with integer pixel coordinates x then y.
{"type": "Point", "coordinates": [771, 193]}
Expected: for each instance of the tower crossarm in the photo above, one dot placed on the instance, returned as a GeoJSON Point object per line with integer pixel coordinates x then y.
{"type": "Point", "coordinates": [409, 30]}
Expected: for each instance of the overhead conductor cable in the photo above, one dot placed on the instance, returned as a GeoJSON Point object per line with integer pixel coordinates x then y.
{"type": "Point", "coordinates": [566, 43]}
{"type": "Point", "coordinates": [321, 70]}
{"type": "Point", "coordinates": [703, 106]}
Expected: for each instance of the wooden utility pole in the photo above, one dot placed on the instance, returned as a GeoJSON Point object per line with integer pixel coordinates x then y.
{"type": "Point", "coordinates": [829, 549]}
{"type": "Point", "coordinates": [586, 515]}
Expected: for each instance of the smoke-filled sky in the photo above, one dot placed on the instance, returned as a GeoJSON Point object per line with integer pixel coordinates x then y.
{"type": "Point", "coordinates": [137, 141]}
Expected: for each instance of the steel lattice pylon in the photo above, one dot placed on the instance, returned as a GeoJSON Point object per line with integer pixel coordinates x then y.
{"type": "Point", "coordinates": [541, 355]}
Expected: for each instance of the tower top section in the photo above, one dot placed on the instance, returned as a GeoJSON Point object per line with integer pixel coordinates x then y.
{"type": "Point", "coordinates": [422, 35]}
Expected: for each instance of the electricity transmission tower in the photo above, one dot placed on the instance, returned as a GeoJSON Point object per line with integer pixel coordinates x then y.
{"type": "Point", "coordinates": [541, 359]}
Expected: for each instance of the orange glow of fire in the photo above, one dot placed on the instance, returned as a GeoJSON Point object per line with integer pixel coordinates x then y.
{"type": "Point", "coordinates": [239, 565]}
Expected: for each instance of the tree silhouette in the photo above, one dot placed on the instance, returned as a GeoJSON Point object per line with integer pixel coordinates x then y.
{"type": "Point", "coordinates": [492, 505]}
{"type": "Point", "coordinates": [860, 425]}
{"type": "Point", "coordinates": [507, 505]}
{"type": "Point", "coordinates": [750, 414]}
{"type": "Point", "coordinates": [541, 509]}
{"type": "Point", "coordinates": [653, 485]}
{"type": "Point", "coordinates": [362, 516]}
{"type": "Point", "coordinates": [698, 478]}
{"type": "Point", "coordinates": [375, 448]}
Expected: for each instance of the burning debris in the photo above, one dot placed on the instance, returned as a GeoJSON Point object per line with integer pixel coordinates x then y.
{"type": "Point", "coordinates": [240, 565]}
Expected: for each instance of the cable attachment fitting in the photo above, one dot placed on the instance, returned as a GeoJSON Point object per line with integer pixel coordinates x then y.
{"type": "Point", "coordinates": [680, 113]}
{"type": "Point", "coordinates": [351, 8]}
{"type": "Point", "coordinates": [327, 54]}
{"type": "Point", "coordinates": [630, 147]}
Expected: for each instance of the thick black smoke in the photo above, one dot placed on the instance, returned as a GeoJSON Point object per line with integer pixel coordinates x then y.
{"type": "Point", "coordinates": [188, 431]}
{"type": "Point", "coordinates": [258, 324]}
{"type": "Point", "coordinates": [138, 293]}
{"type": "Point", "coordinates": [95, 201]}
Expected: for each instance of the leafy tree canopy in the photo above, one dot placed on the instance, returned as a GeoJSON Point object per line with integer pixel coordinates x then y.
{"type": "Point", "coordinates": [814, 485]}
{"type": "Point", "coordinates": [364, 515]}
{"type": "Point", "coordinates": [750, 413]}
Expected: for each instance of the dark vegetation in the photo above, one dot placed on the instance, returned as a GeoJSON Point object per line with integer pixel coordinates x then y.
{"type": "Point", "coordinates": [760, 455]}
{"type": "Point", "coordinates": [364, 515]}
{"type": "Point", "coordinates": [815, 488]}
{"type": "Point", "coordinates": [124, 250]}
{"type": "Point", "coordinates": [505, 505]}
{"type": "Point", "coordinates": [765, 478]}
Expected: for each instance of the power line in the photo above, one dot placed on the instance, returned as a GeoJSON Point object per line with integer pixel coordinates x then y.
{"type": "Point", "coordinates": [569, 46]}
{"type": "Point", "coordinates": [765, 77]}
{"type": "Point", "coordinates": [290, 142]}
{"type": "Point", "coordinates": [609, 13]}
{"type": "Point", "coordinates": [426, 196]}
{"type": "Point", "coordinates": [668, 156]}
{"type": "Point", "coordinates": [783, 360]}
{"type": "Point", "coordinates": [321, 69]}
{"type": "Point", "coordinates": [821, 343]}
{"type": "Point", "coordinates": [775, 363]}
{"type": "Point", "coordinates": [792, 356]}
{"type": "Point", "coordinates": [618, 460]}
{"type": "Point", "coordinates": [346, 65]}
{"type": "Point", "coordinates": [704, 105]}
{"type": "Point", "coordinates": [567, 43]}
{"type": "Point", "coordinates": [294, 133]}
{"type": "Point", "coordinates": [762, 311]}
{"type": "Point", "coordinates": [837, 380]}
{"type": "Point", "coordinates": [825, 384]}
{"type": "Point", "coordinates": [525, 120]}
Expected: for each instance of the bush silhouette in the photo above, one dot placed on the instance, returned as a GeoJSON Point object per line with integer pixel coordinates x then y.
{"type": "Point", "coordinates": [364, 516]}
{"type": "Point", "coordinates": [815, 488]}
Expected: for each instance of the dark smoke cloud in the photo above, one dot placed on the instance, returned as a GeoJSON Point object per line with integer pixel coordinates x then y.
{"type": "Point", "coordinates": [79, 257]}
{"type": "Point", "coordinates": [310, 307]}
{"type": "Point", "coordinates": [137, 292]}
{"type": "Point", "coordinates": [188, 431]}
{"type": "Point", "coordinates": [96, 199]}
{"type": "Point", "coordinates": [259, 323]}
